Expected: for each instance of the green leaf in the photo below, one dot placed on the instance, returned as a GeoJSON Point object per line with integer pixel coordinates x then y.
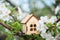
{"type": "Point", "coordinates": [58, 16]}
{"type": "Point", "coordinates": [59, 30]}
{"type": "Point", "coordinates": [17, 26]}
{"type": "Point", "coordinates": [1, 28]}
{"type": "Point", "coordinates": [21, 38]}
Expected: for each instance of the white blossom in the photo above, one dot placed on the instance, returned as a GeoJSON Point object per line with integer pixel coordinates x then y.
{"type": "Point", "coordinates": [57, 9]}
{"type": "Point", "coordinates": [4, 9]}
{"type": "Point", "coordinates": [43, 28]}
{"type": "Point", "coordinates": [44, 18]}
{"type": "Point", "coordinates": [47, 36]}
{"type": "Point", "coordinates": [52, 19]}
{"type": "Point", "coordinates": [4, 12]}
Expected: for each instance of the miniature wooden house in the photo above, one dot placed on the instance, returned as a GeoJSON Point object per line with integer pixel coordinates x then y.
{"type": "Point", "coordinates": [30, 24]}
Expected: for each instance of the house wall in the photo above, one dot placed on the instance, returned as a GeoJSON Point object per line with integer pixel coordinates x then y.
{"type": "Point", "coordinates": [33, 20]}
{"type": "Point", "coordinates": [24, 28]}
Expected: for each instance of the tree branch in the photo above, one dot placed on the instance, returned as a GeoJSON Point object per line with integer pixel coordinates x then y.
{"type": "Point", "coordinates": [20, 33]}
{"type": "Point", "coordinates": [4, 25]}
{"type": "Point", "coordinates": [10, 3]}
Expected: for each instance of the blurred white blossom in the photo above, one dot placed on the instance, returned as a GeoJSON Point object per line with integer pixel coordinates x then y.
{"type": "Point", "coordinates": [52, 19]}
{"type": "Point", "coordinates": [47, 36]}
{"type": "Point", "coordinates": [44, 18]}
{"type": "Point", "coordinates": [4, 12]}
{"type": "Point", "coordinates": [42, 27]}
{"type": "Point", "coordinates": [57, 9]}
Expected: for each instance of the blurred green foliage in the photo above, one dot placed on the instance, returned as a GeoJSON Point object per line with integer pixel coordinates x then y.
{"type": "Point", "coordinates": [10, 37]}
{"type": "Point", "coordinates": [32, 37]}
{"type": "Point", "coordinates": [17, 27]}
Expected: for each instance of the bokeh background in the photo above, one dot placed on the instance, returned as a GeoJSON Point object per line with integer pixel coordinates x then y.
{"type": "Point", "coordinates": [37, 7]}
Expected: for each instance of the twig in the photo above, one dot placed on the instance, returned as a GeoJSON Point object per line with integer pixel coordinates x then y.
{"type": "Point", "coordinates": [9, 28]}
{"type": "Point", "coordinates": [4, 25]}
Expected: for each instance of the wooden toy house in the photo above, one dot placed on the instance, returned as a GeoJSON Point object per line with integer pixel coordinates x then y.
{"type": "Point", "coordinates": [30, 24]}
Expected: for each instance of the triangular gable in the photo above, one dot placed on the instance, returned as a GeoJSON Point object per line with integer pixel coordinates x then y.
{"type": "Point", "coordinates": [28, 18]}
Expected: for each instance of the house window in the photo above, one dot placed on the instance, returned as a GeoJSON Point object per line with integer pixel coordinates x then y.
{"type": "Point", "coordinates": [31, 25]}
{"type": "Point", "coordinates": [34, 29]}
{"type": "Point", "coordinates": [34, 25]}
{"type": "Point", "coordinates": [31, 29]}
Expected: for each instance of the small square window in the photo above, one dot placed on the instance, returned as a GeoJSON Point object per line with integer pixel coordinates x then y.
{"type": "Point", "coordinates": [34, 29]}
{"type": "Point", "coordinates": [31, 29]}
{"type": "Point", "coordinates": [34, 25]}
{"type": "Point", "coordinates": [31, 25]}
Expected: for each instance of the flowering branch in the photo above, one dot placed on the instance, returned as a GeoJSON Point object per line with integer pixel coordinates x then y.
{"type": "Point", "coordinates": [9, 28]}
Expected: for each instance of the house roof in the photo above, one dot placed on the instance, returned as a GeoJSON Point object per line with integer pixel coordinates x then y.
{"type": "Point", "coordinates": [27, 18]}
